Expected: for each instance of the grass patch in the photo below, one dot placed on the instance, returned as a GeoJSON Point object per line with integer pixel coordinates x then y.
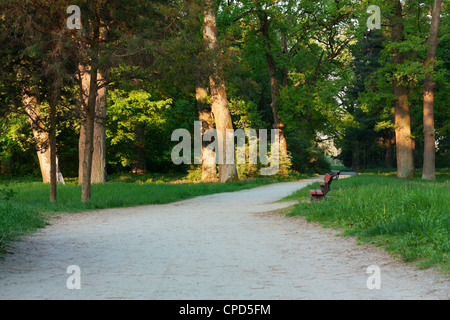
{"type": "Point", "coordinates": [410, 218]}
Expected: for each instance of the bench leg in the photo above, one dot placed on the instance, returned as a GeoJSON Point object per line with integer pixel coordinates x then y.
{"type": "Point", "coordinates": [317, 198]}
{"type": "Point", "coordinates": [325, 189]}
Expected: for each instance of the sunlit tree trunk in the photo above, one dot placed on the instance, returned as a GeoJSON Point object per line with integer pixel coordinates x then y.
{"type": "Point", "coordinates": [404, 145]}
{"type": "Point", "coordinates": [98, 166]}
{"type": "Point", "coordinates": [98, 174]}
{"type": "Point", "coordinates": [41, 138]}
{"type": "Point", "coordinates": [221, 112]}
{"type": "Point", "coordinates": [88, 142]}
{"type": "Point", "coordinates": [209, 167]}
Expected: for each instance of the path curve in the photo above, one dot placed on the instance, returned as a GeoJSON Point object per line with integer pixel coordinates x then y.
{"type": "Point", "coordinates": [224, 246]}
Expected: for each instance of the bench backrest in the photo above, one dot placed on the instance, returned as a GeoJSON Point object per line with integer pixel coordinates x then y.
{"type": "Point", "coordinates": [335, 175]}
{"type": "Point", "coordinates": [328, 178]}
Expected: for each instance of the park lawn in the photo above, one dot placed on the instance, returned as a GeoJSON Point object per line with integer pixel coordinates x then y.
{"type": "Point", "coordinates": [410, 218]}
{"type": "Point", "coordinates": [29, 208]}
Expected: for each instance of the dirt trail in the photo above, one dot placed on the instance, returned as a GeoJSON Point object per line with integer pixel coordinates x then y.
{"type": "Point", "coordinates": [223, 246]}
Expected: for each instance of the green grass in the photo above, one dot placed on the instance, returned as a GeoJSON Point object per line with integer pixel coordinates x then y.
{"type": "Point", "coordinates": [410, 218]}
{"type": "Point", "coordinates": [29, 208]}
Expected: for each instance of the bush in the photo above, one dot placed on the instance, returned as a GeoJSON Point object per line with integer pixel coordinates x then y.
{"type": "Point", "coordinates": [6, 192]}
{"type": "Point", "coordinates": [306, 157]}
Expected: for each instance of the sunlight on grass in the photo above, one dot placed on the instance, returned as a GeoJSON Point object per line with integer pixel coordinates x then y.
{"type": "Point", "coordinates": [408, 217]}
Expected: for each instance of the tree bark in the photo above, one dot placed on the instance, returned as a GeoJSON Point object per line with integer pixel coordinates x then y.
{"type": "Point", "coordinates": [227, 170]}
{"type": "Point", "coordinates": [84, 80]}
{"type": "Point", "coordinates": [88, 148]}
{"type": "Point", "coordinates": [139, 165]}
{"type": "Point", "coordinates": [41, 138]}
{"type": "Point", "coordinates": [52, 146]}
{"type": "Point", "coordinates": [404, 147]}
{"type": "Point", "coordinates": [98, 166]}
{"type": "Point", "coordinates": [209, 169]}
{"type": "Point", "coordinates": [429, 154]}
{"type": "Point", "coordinates": [99, 174]}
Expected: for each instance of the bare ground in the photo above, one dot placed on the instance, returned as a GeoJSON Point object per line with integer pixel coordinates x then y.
{"type": "Point", "coordinates": [224, 246]}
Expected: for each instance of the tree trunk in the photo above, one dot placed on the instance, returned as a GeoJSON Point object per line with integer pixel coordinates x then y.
{"type": "Point", "coordinates": [84, 80]}
{"type": "Point", "coordinates": [356, 164]}
{"type": "Point", "coordinates": [52, 146]}
{"type": "Point", "coordinates": [404, 144]}
{"type": "Point", "coordinates": [227, 170]}
{"type": "Point", "coordinates": [98, 174]}
{"type": "Point", "coordinates": [389, 156]}
{"type": "Point", "coordinates": [209, 170]}
{"type": "Point", "coordinates": [88, 147]}
{"type": "Point", "coordinates": [41, 138]}
{"type": "Point", "coordinates": [274, 85]}
{"type": "Point", "coordinates": [429, 154]}
{"type": "Point", "coordinates": [5, 166]}
{"type": "Point", "coordinates": [405, 160]}
{"type": "Point", "coordinates": [139, 165]}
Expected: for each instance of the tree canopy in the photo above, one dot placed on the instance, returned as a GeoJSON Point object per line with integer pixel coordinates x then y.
{"type": "Point", "coordinates": [311, 69]}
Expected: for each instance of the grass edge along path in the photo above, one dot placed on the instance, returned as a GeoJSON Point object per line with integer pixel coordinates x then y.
{"type": "Point", "coordinates": [410, 218]}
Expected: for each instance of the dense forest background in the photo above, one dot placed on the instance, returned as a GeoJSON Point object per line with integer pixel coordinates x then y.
{"type": "Point", "coordinates": [311, 68]}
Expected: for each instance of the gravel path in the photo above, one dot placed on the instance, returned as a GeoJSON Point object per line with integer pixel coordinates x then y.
{"type": "Point", "coordinates": [224, 246]}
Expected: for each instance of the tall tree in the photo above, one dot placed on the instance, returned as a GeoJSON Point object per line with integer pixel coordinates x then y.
{"type": "Point", "coordinates": [53, 102]}
{"type": "Point", "coordinates": [368, 111]}
{"type": "Point", "coordinates": [302, 46]}
{"type": "Point", "coordinates": [34, 36]}
{"type": "Point", "coordinates": [222, 117]}
{"type": "Point", "coordinates": [90, 62]}
{"type": "Point", "coordinates": [403, 135]}
{"type": "Point", "coordinates": [98, 174]}
{"type": "Point", "coordinates": [273, 78]}
{"type": "Point", "coordinates": [114, 33]}
{"type": "Point", "coordinates": [429, 154]}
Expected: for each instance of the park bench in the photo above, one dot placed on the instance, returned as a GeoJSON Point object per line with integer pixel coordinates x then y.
{"type": "Point", "coordinates": [319, 194]}
{"type": "Point", "coordinates": [336, 175]}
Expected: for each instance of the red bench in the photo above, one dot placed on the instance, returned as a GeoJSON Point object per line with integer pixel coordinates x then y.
{"type": "Point", "coordinates": [324, 188]}
{"type": "Point", "coordinates": [336, 175]}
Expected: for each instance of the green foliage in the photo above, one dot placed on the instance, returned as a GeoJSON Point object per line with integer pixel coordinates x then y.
{"type": "Point", "coordinates": [306, 156]}
{"type": "Point", "coordinates": [335, 78]}
{"type": "Point", "coordinates": [246, 115]}
{"type": "Point", "coordinates": [6, 192]}
{"type": "Point", "coordinates": [370, 96]}
{"type": "Point", "coordinates": [126, 111]}
{"type": "Point", "coordinates": [311, 66]}
{"type": "Point", "coordinates": [14, 134]}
